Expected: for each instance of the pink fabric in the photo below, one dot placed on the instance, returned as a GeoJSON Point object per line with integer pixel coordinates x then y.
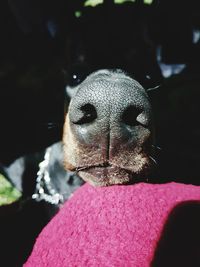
{"type": "Point", "coordinates": [109, 226]}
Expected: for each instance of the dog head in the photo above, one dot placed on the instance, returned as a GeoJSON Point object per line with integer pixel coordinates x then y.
{"type": "Point", "coordinates": [108, 130]}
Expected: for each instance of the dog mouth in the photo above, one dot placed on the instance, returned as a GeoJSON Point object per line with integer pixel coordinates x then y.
{"type": "Point", "coordinates": [109, 174]}
{"type": "Point", "coordinates": [100, 165]}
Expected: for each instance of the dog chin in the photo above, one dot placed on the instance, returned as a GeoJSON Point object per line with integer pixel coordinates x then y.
{"type": "Point", "coordinates": [105, 176]}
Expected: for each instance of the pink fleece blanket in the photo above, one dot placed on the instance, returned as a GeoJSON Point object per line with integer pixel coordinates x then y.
{"type": "Point", "coordinates": [136, 225]}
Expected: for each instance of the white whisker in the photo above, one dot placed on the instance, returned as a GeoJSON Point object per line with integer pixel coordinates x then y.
{"type": "Point", "coordinates": [155, 162]}
{"type": "Point", "coordinates": [157, 147]}
{"type": "Point", "coordinates": [153, 88]}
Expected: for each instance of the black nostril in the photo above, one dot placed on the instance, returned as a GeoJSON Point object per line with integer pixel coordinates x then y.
{"type": "Point", "coordinates": [130, 115]}
{"type": "Point", "coordinates": [89, 114]}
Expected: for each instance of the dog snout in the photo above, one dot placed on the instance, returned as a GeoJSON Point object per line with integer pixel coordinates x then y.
{"type": "Point", "coordinates": [112, 108]}
{"type": "Point", "coordinates": [109, 124]}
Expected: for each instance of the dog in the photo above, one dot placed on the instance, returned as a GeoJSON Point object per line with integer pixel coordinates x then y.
{"type": "Point", "coordinates": [109, 154]}
{"type": "Point", "coordinates": [108, 132]}
{"type": "Point", "coordinates": [108, 138]}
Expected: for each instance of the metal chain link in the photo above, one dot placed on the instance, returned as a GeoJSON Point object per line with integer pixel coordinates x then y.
{"type": "Point", "coordinates": [44, 188]}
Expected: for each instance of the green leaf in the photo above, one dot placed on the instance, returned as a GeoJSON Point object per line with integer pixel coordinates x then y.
{"type": "Point", "coordinates": [77, 14]}
{"type": "Point", "coordinates": [93, 3]}
{"type": "Point", "coordinates": [8, 193]}
{"type": "Point", "coordinates": [148, 2]}
{"type": "Point", "coordinates": [122, 1]}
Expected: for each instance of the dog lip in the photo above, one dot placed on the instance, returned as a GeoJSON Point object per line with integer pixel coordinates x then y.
{"type": "Point", "coordinates": [109, 174]}
{"type": "Point", "coordinates": [106, 175]}
{"type": "Point", "coordinates": [87, 167]}
{"type": "Point", "coordinates": [103, 166]}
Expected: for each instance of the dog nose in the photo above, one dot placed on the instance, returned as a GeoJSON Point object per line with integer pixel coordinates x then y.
{"type": "Point", "coordinates": [109, 106]}
{"type": "Point", "coordinates": [87, 114]}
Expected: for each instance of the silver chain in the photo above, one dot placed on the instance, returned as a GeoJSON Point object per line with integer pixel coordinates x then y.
{"type": "Point", "coordinates": [44, 189]}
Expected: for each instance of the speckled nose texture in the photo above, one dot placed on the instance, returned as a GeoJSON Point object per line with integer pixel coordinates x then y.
{"type": "Point", "coordinates": [109, 104]}
{"type": "Point", "coordinates": [139, 225]}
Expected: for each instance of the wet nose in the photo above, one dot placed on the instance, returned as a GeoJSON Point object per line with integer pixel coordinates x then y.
{"type": "Point", "coordinates": [109, 105]}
